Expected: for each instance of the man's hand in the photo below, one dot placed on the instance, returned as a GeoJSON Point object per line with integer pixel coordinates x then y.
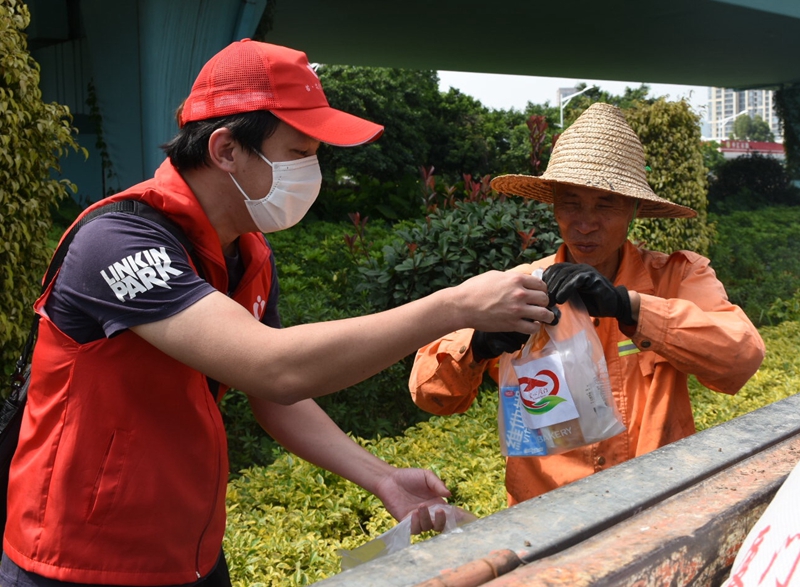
{"type": "Point", "coordinates": [598, 294]}
{"type": "Point", "coordinates": [507, 301]}
{"type": "Point", "coordinates": [411, 491]}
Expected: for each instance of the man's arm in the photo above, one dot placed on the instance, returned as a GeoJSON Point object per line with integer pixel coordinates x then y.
{"type": "Point", "coordinates": [306, 430]}
{"type": "Point", "coordinates": [221, 339]}
{"type": "Point", "coordinates": [445, 376]}
{"type": "Point", "coordinates": [705, 336]}
{"type": "Point", "coordinates": [689, 321]}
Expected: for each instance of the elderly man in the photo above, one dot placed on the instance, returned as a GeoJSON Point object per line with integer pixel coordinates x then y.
{"type": "Point", "coordinates": [660, 317]}
{"type": "Point", "coordinates": [122, 465]}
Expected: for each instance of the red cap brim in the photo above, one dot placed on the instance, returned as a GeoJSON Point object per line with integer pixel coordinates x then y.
{"type": "Point", "coordinates": [331, 126]}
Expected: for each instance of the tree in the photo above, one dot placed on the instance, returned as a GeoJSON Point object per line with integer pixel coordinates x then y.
{"type": "Point", "coordinates": [787, 104]}
{"type": "Point", "coordinates": [752, 129]}
{"type": "Point", "coordinates": [749, 183]}
{"type": "Point", "coordinates": [578, 104]}
{"type": "Point", "coordinates": [33, 135]}
{"type": "Point", "coordinates": [712, 158]}
{"type": "Point", "coordinates": [404, 101]}
{"type": "Point", "coordinates": [670, 133]}
{"type": "Point", "coordinates": [451, 132]}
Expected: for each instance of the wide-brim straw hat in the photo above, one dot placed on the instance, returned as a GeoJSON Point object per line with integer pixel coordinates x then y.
{"type": "Point", "coordinates": [600, 151]}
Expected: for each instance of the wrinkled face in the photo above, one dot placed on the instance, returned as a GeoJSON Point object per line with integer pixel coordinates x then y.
{"type": "Point", "coordinates": [593, 224]}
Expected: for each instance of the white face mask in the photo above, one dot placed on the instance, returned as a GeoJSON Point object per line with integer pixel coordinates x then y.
{"type": "Point", "coordinates": [295, 186]}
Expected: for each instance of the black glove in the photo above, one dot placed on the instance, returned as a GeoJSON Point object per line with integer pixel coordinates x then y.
{"type": "Point", "coordinates": [488, 345]}
{"type": "Point", "coordinates": [598, 294]}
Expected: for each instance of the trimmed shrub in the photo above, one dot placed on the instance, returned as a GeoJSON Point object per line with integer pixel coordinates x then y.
{"type": "Point", "coordinates": [757, 257]}
{"type": "Point", "coordinates": [670, 133]}
{"type": "Point", "coordinates": [33, 135]}
{"type": "Point", "coordinates": [750, 183]}
{"type": "Point", "coordinates": [286, 521]}
{"type": "Point", "coordinates": [453, 244]}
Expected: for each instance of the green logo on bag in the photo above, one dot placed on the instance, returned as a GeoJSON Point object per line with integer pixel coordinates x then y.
{"type": "Point", "coordinates": [539, 394]}
{"type": "Point", "coordinates": [544, 405]}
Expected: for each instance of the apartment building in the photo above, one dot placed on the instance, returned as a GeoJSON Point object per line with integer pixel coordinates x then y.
{"type": "Point", "coordinates": [725, 105]}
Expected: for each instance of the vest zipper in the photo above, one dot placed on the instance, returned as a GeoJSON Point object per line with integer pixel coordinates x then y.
{"type": "Point", "coordinates": [213, 502]}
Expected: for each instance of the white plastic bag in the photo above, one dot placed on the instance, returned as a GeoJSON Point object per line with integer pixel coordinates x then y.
{"type": "Point", "coordinates": [400, 536]}
{"type": "Point", "coordinates": [555, 393]}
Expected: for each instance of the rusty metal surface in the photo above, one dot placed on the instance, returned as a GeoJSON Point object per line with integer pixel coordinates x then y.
{"type": "Point", "coordinates": [569, 515]}
{"type": "Point", "coordinates": [689, 539]}
{"type": "Point", "coordinates": [478, 572]}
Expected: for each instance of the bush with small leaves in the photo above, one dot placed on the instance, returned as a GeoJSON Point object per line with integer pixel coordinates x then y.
{"type": "Point", "coordinates": [453, 244]}
{"type": "Point", "coordinates": [757, 257]}
{"type": "Point", "coordinates": [670, 133]}
{"type": "Point", "coordinates": [33, 135]}
{"type": "Point", "coordinates": [286, 521]}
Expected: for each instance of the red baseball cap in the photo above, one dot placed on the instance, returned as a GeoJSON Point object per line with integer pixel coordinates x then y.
{"type": "Point", "coordinates": [248, 75]}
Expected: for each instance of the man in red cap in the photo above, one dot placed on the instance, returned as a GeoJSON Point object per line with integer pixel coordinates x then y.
{"type": "Point", "coordinates": [121, 471]}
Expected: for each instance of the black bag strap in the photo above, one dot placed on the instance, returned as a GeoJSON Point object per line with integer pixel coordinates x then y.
{"type": "Point", "coordinates": [128, 206]}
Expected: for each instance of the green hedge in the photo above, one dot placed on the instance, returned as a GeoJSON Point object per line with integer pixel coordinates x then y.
{"type": "Point", "coordinates": [757, 257]}
{"type": "Point", "coordinates": [287, 520]}
{"type": "Point", "coordinates": [33, 135]}
{"type": "Point", "coordinates": [453, 244]}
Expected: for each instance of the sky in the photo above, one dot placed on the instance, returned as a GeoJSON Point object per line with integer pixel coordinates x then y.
{"type": "Point", "coordinates": [500, 91]}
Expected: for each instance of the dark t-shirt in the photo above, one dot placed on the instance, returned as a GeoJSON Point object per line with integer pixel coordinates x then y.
{"type": "Point", "coordinates": [122, 270]}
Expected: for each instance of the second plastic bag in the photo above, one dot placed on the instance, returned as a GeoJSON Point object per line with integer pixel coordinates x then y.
{"type": "Point", "coordinates": [399, 537]}
{"type": "Point", "coordinates": [555, 393]}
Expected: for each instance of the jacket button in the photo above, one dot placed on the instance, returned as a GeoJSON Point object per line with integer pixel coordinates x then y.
{"type": "Point", "coordinates": [645, 344]}
{"type": "Point", "coordinates": [601, 461]}
{"type": "Point", "coordinates": [596, 322]}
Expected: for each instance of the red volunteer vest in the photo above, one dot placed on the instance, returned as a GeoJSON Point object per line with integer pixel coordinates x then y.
{"type": "Point", "coordinates": [122, 466]}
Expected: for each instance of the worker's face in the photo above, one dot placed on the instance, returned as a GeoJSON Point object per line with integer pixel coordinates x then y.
{"type": "Point", "coordinates": [594, 225]}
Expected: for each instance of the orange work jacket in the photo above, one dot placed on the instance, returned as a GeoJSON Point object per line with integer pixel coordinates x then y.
{"type": "Point", "coordinates": [686, 326]}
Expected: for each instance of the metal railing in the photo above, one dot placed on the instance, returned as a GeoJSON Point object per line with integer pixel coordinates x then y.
{"type": "Point", "coordinates": [676, 516]}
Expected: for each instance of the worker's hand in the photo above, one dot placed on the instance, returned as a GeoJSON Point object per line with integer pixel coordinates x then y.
{"type": "Point", "coordinates": [598, 294]}
{"type": "Point", "coordinates": [411, 491]}
{"type": "Point", "coordinates": [488, 345]}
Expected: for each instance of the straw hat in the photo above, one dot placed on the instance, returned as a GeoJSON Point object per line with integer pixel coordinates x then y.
{"type": "Point", "coordinates": [601, 151]}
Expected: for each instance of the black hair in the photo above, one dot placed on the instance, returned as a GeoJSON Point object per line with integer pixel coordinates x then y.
{"type": "Point", "coordinates": [189, 148]}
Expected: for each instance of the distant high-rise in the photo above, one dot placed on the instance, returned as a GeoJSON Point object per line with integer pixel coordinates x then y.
{"type": "Point", "coordinates": [725, 105]}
